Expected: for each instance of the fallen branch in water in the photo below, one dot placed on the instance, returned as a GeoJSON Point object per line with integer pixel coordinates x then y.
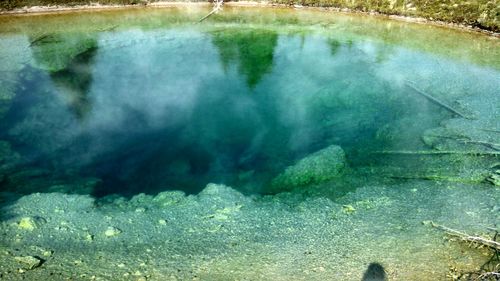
{"type": "Point", "coordinates": [436, 152]}
{"type": "Point", "coordinates": [489, 274]}
{"type": "Point", "coordinates": [469, 238]}
{"type": "Point", "coordinates": [38, 39]}
{"type": "Point", "coordinates": [490, 130]}
{"type": "Point", "coordinates": [216, 9]}
{"type": "Point", "coordinates": [494, 146]}
{"type": "Point", "coordinates": [410, 85]}
{"type": "Point", "coordinates": [112, 28]}
{"type": "Point", "coordinates": [489, 270]}
{"type": "Point", "coordinates": [421, 177]}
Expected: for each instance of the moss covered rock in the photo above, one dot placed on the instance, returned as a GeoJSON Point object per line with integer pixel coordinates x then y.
{"type": "Point", "coordinates": [321, 166]}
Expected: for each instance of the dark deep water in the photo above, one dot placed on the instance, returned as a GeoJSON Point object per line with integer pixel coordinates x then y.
{"type": "Point", "coordinates": [146, 109]}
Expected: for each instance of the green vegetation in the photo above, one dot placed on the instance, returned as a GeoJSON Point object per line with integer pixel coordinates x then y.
{"type": "Point", "coordinates": [479, 13]}
{"type": "Point", "coordinates": [12, 4]}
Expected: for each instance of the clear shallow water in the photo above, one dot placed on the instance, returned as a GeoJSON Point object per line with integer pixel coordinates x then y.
{"type": "Point", "coordinates": [159, 103]}
{"type": "Point", "coordinates": [145, 101]}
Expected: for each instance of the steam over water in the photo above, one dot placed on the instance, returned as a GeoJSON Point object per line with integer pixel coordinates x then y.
{"type": "Point", "coordinates": [260, 144]}
{"type": "Point", "coordinates": [179, 107]}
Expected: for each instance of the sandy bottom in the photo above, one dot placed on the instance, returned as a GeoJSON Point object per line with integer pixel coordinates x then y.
{"type": "Point", "coordinates": [221, 234]}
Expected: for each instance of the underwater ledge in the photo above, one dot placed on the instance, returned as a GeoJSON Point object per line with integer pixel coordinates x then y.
{"type": "Point", "coordinates": [478, 20]}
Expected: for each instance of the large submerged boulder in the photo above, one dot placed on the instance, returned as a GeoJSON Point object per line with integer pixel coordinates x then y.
{"type": "Point", "coordinates": [321, 166]}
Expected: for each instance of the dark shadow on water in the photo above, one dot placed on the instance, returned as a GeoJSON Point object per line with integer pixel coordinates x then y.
{"type": "Point", "coordinates": [252, 50]}
{"type": "Point", "coordinates": [374, 272]}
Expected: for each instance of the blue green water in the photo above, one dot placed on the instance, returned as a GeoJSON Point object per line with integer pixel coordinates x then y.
{"type": "Point", "coordinates": [260, 144]}
{"type": "Point", "coordinates": [164, 104]}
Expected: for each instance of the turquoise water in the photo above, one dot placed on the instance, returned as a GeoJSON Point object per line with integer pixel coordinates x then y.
{"type": "Point", "coordinates": [179, 107]}
{"type": "Point", "coordinates": [97, 105]}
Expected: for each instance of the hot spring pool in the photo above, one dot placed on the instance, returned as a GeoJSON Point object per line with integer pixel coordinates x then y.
{"type": "Point", "coordinates": [260, 144]}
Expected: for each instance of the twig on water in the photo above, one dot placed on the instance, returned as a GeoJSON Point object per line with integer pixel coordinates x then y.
{"type": "Point", "coordinates": [411, 85]}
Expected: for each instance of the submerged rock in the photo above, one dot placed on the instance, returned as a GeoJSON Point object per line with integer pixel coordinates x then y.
{"type": "Point", "coordinates": [30, 223]}
{"type": "Point", "coordinates": [321, 166]}
{"type": "Point", "coordinates": [221, 196]}
{"type": "Point", "coordinates": [112, 231]}
{"type": "Point", "coordinates": [29, 262]}
{"type": "Point", "coordinates": [167, 198]}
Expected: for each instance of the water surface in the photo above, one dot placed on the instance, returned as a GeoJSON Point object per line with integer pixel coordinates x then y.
{"type": "Point", "coordinates": [157, 103]}
{"type": "Point", "coordinates": [114, 125]}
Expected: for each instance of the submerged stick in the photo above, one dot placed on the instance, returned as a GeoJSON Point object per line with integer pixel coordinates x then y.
{"type": "Point", "coordinates": [421, 177]}
{"type": "Point", "coordinates": [112, 28]}
{"type": "Point", "coordinates": [489, 274]}
{"type": "Point", "coordinates": [205, 17]}
{"type": "Point", "coordinates": [494, 146]}
{"type": "Point", "coordinates": [38, 39]}
{"type": "Point", "coordinates": [410, 85]}
{"type": "Point", "coordinates": [464, 236]}
{"type": "Point", "coordinates": [436, 152]}
{"type": "Point", "coordinates": [490, 130]}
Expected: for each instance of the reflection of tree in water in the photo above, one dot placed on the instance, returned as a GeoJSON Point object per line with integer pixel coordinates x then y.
{"type": "Point", "coordinates": [252, 48]}
{"type": "Point", "coordinates": [74, 82]}
{"type": "Point", "coordinates": [334, 46]}
{"type": "Point", "coordinates": [382, 52]}
{"type": "Point", "coordinates": [69, 59]}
